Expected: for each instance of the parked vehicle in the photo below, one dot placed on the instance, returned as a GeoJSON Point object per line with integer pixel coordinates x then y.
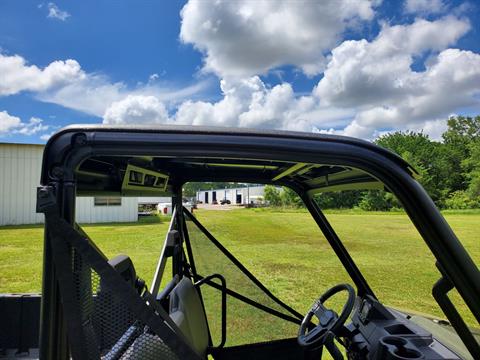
{"type": "Point", "coordinates": [94, 307]}
{"type": "Point", "coordinates": [225, 202]}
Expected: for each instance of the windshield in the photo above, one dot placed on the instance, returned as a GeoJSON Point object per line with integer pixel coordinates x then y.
{"type": "Point", "coordinates": [390, 252]}
{"type": "Point", "coordinates": [275, 237]}
{"type": "Point", "coordinates": [280, 245]}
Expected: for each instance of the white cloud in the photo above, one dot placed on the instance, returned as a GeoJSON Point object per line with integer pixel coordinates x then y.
{"type": "Point", "coordinates": [433, 128]}
{"type": "Point", "coordinates": [66, 84]}
{"type": "Point", "coordinates": [10, 124]}
{"type": "Point", "coordinates": [247, 37]}
{"type": "Point", "coordinates": [95, 93]}
{"type": "Point", "coordinates": [55, 13]}
{"type": "Point", "coordinates": [368, 87]}
{"type": "Point", "coordinates": [91, 95]}
{"type": "Point", "coordinates": [424, 6]}
{"type": "Point", "coordinates": [451, 82]}
{"type": "Point", "coordinates": [249, 103]}
{"type": "Point", "coordinates": [136, 109]}
{"type": "Point", "coordinates": [362, 72]}
{"type": "Point", "coordinates": [153, 77]}
{"type": "Point", "coordinates": [34, 126]}
{"type": "Point", "coordinates": [47, 136]}
{"type": "Point", "coordinates": [376, 79]}
{"type": "Point", "coordinates": [245, 103]}
{"type": "Point", "coordinates": [16, 75]}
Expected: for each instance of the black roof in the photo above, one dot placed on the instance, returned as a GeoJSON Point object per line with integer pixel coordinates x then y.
{"type": "Point", "coordinates": [106, 152]}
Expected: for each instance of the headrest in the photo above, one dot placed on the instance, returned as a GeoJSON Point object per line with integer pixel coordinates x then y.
{"type": "Point", "coordinates": [124, 265]}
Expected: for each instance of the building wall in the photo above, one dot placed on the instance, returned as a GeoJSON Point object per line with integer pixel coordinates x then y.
{"type": "Point", "coordinates": [154, 199]}
{"type": "Point", "coordinates": [20, 167]}
{"type": "Point", "coordinates": [252, 193]}
{"type": "Point", "coordinates": [87, 212]}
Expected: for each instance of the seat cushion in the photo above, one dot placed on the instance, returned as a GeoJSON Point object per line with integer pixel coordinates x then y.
{"type": "Point", "coordinates": [186, 310]}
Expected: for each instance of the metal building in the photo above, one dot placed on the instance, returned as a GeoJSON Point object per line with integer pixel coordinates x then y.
{"type": "Point", "coordinates": [20, 166]}
{"type": "Point", "coordinates": [241, 196]}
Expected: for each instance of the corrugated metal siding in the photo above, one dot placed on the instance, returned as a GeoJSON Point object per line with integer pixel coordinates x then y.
{"type": "Point", "coordinates": [87, 212]}
{"type": "Point", "coordinates": [20, 166]}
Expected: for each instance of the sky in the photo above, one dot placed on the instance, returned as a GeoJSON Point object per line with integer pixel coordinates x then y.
{"type": "Point", "coordinates": [355, 67]}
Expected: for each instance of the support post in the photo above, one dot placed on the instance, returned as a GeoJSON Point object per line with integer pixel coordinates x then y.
{"type": "Point", "coordinates": [53, 341]}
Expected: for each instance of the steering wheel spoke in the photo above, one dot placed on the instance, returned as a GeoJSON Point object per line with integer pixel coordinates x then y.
{"type": "Point", "coordinates": [330, 323]}
{"type": "Point", "coordinates": [313, 334]}
{"type": "Point", "coordinates": [324, 315]}
{"type": "Point", "coordinates": [319, 309]}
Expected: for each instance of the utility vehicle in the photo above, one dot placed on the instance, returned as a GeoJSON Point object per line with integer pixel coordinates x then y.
{"type": "Point", "coordinates": [93, 307]}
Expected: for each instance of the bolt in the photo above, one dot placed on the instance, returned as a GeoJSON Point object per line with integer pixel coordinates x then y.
{"type": "Point", "coordinates": [57, 172]}
{"type": "Point", "coordinates": [80, 139]}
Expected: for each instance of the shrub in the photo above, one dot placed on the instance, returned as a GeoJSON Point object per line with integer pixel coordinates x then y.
{"type": "Point", "coordinates": [460, 200]}
{"type": "Point", "coordinates": [290, 198]}
{"type": "Point", "coordinates": [375, 200]}
{"type": "Point", "coordinates": [272, 195]}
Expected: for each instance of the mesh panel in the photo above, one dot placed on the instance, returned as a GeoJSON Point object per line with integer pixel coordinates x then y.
{"type": "Point", "coordinates": [245, 323]}
{"type": "Point", "coordinates": [148, 347]}
{"type": "Point", "coordinates": [86, 282]}
{"type": "Point", "coordinates": [109, 327]}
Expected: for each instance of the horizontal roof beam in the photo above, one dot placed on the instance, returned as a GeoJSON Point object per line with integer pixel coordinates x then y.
{"type": "Point", "coordinates": [289, 171]}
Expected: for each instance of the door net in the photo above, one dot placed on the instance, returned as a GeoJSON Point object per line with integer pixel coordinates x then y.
{"type": "Point", "coordinates": [252, 314]}
{"type": "Point", "coordinates": [110, 328]}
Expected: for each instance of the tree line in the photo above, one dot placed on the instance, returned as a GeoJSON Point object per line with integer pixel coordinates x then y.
{"type": "Point", "coordinates": [449, 170]}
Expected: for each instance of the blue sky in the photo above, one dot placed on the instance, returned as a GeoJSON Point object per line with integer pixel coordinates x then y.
{"type": "Point", "coordinates": [354, 68]}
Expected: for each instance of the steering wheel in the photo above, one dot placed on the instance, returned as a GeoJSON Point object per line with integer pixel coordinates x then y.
{"type": "Point", "coordinates": [329, 323]}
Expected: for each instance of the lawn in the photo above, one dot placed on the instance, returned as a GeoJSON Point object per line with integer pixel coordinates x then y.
{"type": "Point", "coordinates": [284, 249]}
{"type": "Point", "coordinates": [21, 250]}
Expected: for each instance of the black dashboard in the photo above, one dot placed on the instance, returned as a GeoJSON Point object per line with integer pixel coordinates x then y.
{"type": "Point", "coordinates": [380, 333]}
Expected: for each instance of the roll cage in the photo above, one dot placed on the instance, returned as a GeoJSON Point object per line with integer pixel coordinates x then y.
{"type": "Point", "coordinates": [90, 160]}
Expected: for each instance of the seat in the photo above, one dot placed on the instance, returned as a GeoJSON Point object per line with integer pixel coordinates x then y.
{"type": "Point", "coordinates": [186, 310]}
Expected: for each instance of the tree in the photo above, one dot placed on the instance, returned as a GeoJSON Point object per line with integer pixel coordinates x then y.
{"type": "Point", "coordinates": [462, 130]}
{"type": "Point", "coordinates": [471, 166]}
{"type": "Point", "coordinates": [290, 198]}
{"type": "Point", "coordinates": [282, 197]}
{"type": "Point", "coordinates": [425, 155]}
{"type": "Point", "coordinates": [375, 200]}
{"type": "Point", "coordinates": [458, 138]}
{"type": "Point", "coordinates": [338, 199]}
{"type": "Point", "coordinates": [272, 195]}
{"type": "Point", "coordinates": [460, 200]}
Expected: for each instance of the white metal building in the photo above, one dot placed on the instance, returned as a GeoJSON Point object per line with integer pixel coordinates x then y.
{"type": "Point", "coordinates": [98, 210]}
{"type": "Point", "coordinates": [20, 166]}
{"type": "Point", "coordinates": [241, 196]}
{"type": "Point", "coordinates": [154, 199]}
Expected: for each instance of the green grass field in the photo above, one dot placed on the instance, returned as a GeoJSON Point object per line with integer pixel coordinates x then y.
{"type": "Point", "coordinates": [284, 249]}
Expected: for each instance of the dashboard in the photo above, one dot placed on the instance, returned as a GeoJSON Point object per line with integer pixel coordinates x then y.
{"type": "Point", "coordinates": [377, 332]}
